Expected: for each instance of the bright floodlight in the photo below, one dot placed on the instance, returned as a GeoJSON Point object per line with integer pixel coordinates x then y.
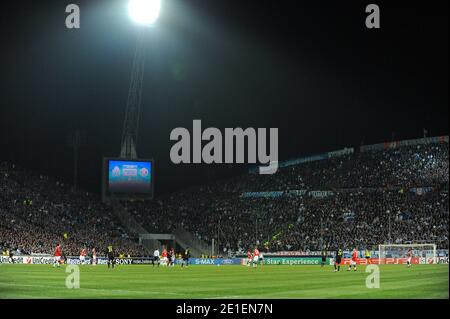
{"type": "Point", "coordinates": [144, 12]}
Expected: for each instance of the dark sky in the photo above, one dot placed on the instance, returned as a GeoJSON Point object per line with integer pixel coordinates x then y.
{"type": "Point", "coordinates": [310, 68]}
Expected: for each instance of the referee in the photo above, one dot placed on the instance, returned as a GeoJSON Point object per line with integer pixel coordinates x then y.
{"type": "Point", "coordinates": [186, 256]}
{"type": "Point", "coordinates": [367, 253]}
{"type": "Point", "coordinates": [110, 254]}
{"type": "Point", "coordinates": [324, 258]}
{"type": "Point", "coordinates": [337, 261]}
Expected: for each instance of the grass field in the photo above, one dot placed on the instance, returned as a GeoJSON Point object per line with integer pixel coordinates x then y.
{"type": "Point", "coordinates": [143, 281]}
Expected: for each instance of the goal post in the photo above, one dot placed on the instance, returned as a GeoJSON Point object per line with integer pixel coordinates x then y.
{"type": "Point", "coordinates": [427, 251]}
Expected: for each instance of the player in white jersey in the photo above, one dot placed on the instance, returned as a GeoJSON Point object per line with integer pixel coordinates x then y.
{"type": "Point", "coordinates": [255, 257]}
{"type": "Point", "coordinates": [94, 257]}
{"type": "Point", "coordinates": [155, 257]}
{"type": "Point", "coordinates": [409, 254]}
{"type": "Point", "coordinates": [173, 257]}
{"type": "Point", "coordinates": [261, 258]}
{"type": "Point", "coordinates": [83, 254]}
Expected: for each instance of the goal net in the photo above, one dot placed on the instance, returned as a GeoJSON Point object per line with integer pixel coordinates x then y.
{"type": "Point", "coordinates": [424, 253]}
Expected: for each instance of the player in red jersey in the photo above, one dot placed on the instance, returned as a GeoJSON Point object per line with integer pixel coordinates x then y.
{"type": "Point", "coordinates": [83, 254]}
{"type": "Point", "coordinates": [249, 258]}
{"type": "Point", "coordinates": [164, 257]}
{"type": "Point", "coordinates": [410, 255]}
{"type": "Point", "coordinates": [94, 257]}
{"type": "Point", "coordinates": [57, 255]}
{"type": "Point", "coordinates": [255, 257]}
{"type": "Point", "coordinates": [353, 260]}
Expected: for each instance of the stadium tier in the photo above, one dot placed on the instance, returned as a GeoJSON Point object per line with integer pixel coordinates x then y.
{"type": "Point", "coordinates": [396, 194]}
{"type": "Point", "coordinates": [36, 212]}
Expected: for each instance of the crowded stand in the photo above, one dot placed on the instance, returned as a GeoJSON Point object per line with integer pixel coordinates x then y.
{"type": "Point", "coordinates": [388, 195]}
{"type": "Point", "coordinates": [397, 195]}
{"type": "Point", "coordinates": [36, 212]}
{"type": "Point", "coordinates": [408, 166]}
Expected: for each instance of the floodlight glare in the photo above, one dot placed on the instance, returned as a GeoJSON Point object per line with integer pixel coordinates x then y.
{"type": "Point", "coordinates": [144, 12]}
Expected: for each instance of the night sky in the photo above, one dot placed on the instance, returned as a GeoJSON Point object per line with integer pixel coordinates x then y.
{"type": "Point", "coordinates": [310, 68]}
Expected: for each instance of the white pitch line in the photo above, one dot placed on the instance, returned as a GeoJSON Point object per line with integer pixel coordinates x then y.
{"type": "Point", "coordinates": [224, 297]}
{"type": "Point", "coordinates": [97, 289]}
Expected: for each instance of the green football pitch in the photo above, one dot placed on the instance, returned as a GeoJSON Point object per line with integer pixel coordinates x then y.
{"type": "Point", "coordinates": [143, 281]}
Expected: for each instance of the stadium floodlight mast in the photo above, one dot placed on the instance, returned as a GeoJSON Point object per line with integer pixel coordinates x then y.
{"type": "Point", "coordinates": [144, 13]}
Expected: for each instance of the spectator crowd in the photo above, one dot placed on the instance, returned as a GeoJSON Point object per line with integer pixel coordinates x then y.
{"type": "Point", "coordinates": [387, 196]}
{"type": "Point", "coordinates": [37, 212]}
{"type": "Point", "coordinates": [395, 195]}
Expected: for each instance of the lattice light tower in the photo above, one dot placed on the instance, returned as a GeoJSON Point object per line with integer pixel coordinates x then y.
{"type": "Point", "coordinates": [133, 109]}
{"type": "Point", "coordinates": [145, 13]}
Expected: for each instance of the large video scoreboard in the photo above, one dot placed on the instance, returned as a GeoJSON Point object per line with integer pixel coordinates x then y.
{"type": "Point", "coordinates": [127, 179]}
